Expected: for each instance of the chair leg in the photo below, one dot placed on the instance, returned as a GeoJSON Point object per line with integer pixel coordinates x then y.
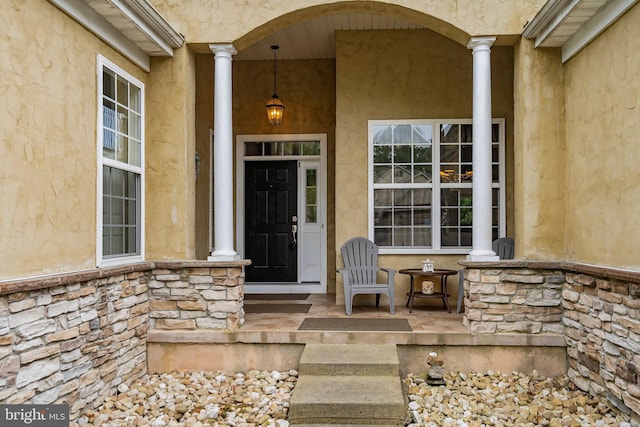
{"type": "Point", "coordinates": [377, 300]}
{"type": "Point", "coordinates": [348, 302]}
{"type": "Point", "coordinates": [391, 304]}
{"type": "Point", "coordinates": [460, 289]}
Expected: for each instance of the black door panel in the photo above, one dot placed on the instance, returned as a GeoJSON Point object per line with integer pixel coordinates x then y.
{"type": "Point", "coordinates": [270, 204]}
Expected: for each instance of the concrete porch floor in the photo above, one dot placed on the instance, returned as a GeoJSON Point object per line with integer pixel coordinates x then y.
{"type": "Point", "coordinates": [273, 341]}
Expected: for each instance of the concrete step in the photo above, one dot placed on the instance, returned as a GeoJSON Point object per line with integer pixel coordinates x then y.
{"type": "Point", "coordinates": [352, 399]}
{"type": "Point", "coordinates": [349, 359]}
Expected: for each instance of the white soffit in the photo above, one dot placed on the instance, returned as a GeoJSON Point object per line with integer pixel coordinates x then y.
{"type": "Point", "coordinates": [132, 27]}
{"type": "Point", "coordinates": [572, 24]}
{"type": "Point", "coordinates": [315, 38]}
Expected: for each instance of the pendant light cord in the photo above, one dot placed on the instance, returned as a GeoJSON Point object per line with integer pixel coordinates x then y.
{"type": "Point", "coordinates": [274, 48]}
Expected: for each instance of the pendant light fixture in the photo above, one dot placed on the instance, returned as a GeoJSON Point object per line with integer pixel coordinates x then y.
{"type": "Point", "coordinates": [275, 107]}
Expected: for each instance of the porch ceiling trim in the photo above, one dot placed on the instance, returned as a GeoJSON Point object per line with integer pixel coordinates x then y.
{"type": "Point", "coordinates": [132, 27]}
{"type": "Point", "coordinates": [573, 24]}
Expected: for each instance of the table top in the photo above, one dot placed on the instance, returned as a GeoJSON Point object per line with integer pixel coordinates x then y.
{"type": "Point", "coordinates": [435, 272]}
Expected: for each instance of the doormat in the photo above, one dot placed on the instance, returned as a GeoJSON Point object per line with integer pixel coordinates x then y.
{"type": "Point", "coordinates": [276, 308]}
{"type": "Point", "coordinates": [342, 324]}
{"type": "Point", "coordinates": [271, 297]}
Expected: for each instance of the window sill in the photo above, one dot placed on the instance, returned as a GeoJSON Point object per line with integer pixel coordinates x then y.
{"type": "Point", "coordinates": [423, 251]}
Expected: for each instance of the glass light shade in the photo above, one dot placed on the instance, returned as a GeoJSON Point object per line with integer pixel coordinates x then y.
{"type": "Point", "coordinates": [275, 110]}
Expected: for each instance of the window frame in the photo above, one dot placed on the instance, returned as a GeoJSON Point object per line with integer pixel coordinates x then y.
{"type": "Point", "coordinates": [436, 186]}
{"type": "Point", "coordinates": [102, 161]}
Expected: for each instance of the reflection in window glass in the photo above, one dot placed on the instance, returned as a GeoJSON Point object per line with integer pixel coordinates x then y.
{"type": "Point", "coordinates": [311, 196]}
{"type": "Point", "coordinates": [404, 187]}
{"type": "Point", "coordinates": [122, 144]}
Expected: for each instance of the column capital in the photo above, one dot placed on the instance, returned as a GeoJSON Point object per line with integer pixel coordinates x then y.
{"type": "Point", "coordinates": [223, 48]}
{"type": "Point", "coordinates": [480, 43]}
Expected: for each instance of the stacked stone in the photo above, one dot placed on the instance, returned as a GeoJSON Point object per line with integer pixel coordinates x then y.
{"type": "Point", "coordinates": [73, 342]}
{"type": "Point", "coordinates": [602, 326]}
{"type": "Point", "coordinates": [196, 297]}
{"type": "Point", "coordinates": [513, 300]}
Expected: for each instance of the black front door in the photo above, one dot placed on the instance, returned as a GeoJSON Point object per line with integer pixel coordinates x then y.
{"type": "Point", "coordinates": [270, 214]}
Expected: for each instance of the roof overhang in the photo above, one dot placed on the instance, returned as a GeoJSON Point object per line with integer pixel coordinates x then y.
{"type": "Point", "coordinates": [572, 24]}
{"type": "Point", "coordinates": [132, 27]}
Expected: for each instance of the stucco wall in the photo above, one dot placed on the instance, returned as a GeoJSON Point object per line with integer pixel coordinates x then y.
{"type": "Point", "coordinates": [48, 140]}
{"type": "Point", "coordinates": [399, 75]}
{"type": "Point", "coordinates": [603, 130]}
{"type": "Point", "coordinates": [246, 22]}
{"type": "Point", "coordinates": [539, 153]}
{"type": "Point", "coordinates": [171, 157]}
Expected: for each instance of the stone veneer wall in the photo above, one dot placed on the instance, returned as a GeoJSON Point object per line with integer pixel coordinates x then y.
{"type": "Point", "coordinates": [196, 296]}
{"type": "Point", "coordinates": [73, 338]}
{"type": "Point", "coordinates": [513, 297]}
{"type": "Point", "coordinates": [602, 331]}
{"type": "Point", "coordinates": [596, 309]}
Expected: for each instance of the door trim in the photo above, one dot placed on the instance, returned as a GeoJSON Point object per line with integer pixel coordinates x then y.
{"type": "Point", "coordinates": [299, 286]}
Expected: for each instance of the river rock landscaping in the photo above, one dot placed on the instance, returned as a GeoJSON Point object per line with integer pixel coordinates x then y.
{"type": "Point", "coordinates": [261, 398]}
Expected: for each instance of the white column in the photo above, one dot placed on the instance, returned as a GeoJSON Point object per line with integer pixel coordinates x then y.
{"type": "Point", "coordinates": [482, 214]}
{"type": "Point", "coordinates": [223, 154]}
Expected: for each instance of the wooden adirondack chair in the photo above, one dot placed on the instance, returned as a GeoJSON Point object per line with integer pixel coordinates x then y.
{"type": "Point", "coordinates": [360, 257]}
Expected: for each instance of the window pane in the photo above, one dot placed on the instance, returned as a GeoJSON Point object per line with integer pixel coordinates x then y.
{"type": "Point", "coordinates": [382, 236]}
{"type": "Point", "coordinates": [403, 237]}
{"type": "Point", "coordinates": [422, 174]}
{"type": "Point", "coordinates": [422, 154]}
{"type": "Point", "coordinates": [382, 154]}
{"type": "Point", "coordinates": [108, 83]}
{"type": "Point", "coordinates": [135, 99]}
{"type": "Point", "coordinates": [382, 135]}
{"type": "Point", "coordinates": [402, 134]}
{"type": "Point", "coordinates": [402, 153]}
{"type": "Point", "coordinates": [382, 174]}
{"type": "Point", "coordinates": [449, 133]}
{"type": "Point", "coordinates": [456, 216]}
{"type": "Point", "coordinates": [123, 91]}
{"type": "Point", "coordinates": [402, 173]}
{"type": "Point", "coordinates": [122, 153]}
{"type": "Point", "coordinates": [383, 216]}
{"type": "Point", "coordinates": [466, 134]}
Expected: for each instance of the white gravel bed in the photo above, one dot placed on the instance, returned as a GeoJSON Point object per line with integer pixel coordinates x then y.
{"type": "Point", "coordinates": [261, 398]}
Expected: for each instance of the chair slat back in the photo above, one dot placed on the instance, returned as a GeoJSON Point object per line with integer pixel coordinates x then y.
{"type": "Point", "coordinates": [503, 247]}
{"type": "Point", "coordinates": [361, 256]}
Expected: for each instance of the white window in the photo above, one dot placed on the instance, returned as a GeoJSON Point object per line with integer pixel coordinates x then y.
{"type": "Point", "coordinates": [420, 185]}
{"type": "Point", "coordinates": [120, 165]}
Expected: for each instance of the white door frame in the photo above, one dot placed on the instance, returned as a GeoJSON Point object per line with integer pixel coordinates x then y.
{"type": "Point", "coordinates": [299, 286]}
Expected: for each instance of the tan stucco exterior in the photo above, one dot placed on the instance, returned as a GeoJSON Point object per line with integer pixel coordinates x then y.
{"type": "Point", "coordinates": [602, 178]}
{"type": "Point", "coordinates": [570, 128]}
{"type": "Point", "coordinates": [48, 163]}
{"type": "Point", "coordinates": [539, 154]}
{"type": "Point", "coordinates": [245, 23]}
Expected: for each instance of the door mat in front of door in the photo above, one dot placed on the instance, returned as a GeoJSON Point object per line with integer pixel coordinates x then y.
{"type": "Point", "coordinates": [342, 324]}
{"type": "Point", "coordinates": [272, 297]}
{"type": "Point", "coordinates": [276, 308]}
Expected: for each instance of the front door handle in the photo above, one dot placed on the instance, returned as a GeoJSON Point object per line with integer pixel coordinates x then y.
{"type": "Point", "coordinates": [294, 233]}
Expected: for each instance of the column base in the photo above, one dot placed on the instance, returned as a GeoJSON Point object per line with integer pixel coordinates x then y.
{"type": "Point", "coordinates": [482, 255]}
{"type": "Point", "coordinates": [223, 256]}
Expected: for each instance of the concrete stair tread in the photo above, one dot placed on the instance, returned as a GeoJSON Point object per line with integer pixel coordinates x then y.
{"type": "Point", "coordinates": [348, 399]}
{"type": "Point", "coordinates": [349, 359]}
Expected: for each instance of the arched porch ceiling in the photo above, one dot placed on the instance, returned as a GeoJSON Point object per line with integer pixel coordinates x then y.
{"type": "Point", "coordinates": [310, 33]}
